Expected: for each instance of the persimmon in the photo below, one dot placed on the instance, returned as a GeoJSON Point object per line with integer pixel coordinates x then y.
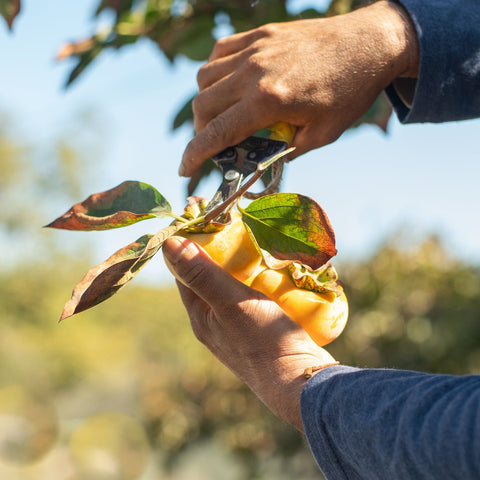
{"type": "Point", "coordinates": [231, 247]}
{"type": "Point", "coordinates": [322, 315]}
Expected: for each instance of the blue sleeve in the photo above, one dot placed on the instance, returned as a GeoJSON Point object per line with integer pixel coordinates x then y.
{"type": "Point", "coordinates": [448, 83]}
{"type": "Point", "coordinates": [393, 424]}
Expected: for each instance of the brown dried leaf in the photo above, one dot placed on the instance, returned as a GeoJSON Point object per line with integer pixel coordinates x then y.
{"type": "Point", "coordinates": [107, 278]}
{"type": "Point", "coordinates": [9, 9]}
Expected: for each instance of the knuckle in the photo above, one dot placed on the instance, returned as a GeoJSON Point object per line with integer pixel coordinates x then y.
{"type": "Point", "coordinates": [196, 104]}
{"type": "Point", "coordinates": [200, 109]}
{"type": "Point", "coordinates": [202, 75]}
{"type": "Point", "coordinates": [254, 62]}
{"type": "Point", "coordinates": [272, 92]}
{"type": "Point", "coordinates": [194, 276]}
{"type": "Point", "coordinates": [217, 131]}
{"type": "Point", "coordinates": [219, 47]}
{"type": "Point", "coordinates": [199, 113]}
{"type": "Point", "coordinates": [199, 331]}
{"type": "Point", "coordinates": [267, 30]}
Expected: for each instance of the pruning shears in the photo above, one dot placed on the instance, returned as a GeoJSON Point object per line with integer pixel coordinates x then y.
{"type": "Point", "coordinates": [239, 161]}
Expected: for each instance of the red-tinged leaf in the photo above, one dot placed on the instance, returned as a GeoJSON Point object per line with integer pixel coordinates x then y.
{"type": "Point", "coordinates": [128, 203]}
{"type": "Point", "coordinates": [107, 278]}
{"type": "Point", "coordinates": [9, 9]}
{"type": "Point", "coordinates": [153, 246]}
{"type": "Point", "coordinates": [77, 48]}
{"type": "Point", "coordinates": [291, 227]}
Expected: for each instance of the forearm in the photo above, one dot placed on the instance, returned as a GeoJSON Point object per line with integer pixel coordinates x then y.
{"type": "Point", "coordinates": [380, 424]}
{"type": "Point", "coordinates": [448, 83]}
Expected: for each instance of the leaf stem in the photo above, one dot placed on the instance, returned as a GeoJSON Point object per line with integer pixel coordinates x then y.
{"type": "Point", "coordinates": [178, 217]}
{"type": "Point", "coordinates": [192, 222]}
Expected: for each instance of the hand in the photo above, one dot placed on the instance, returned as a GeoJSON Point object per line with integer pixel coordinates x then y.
{"type": "Point", "coordinates": [319, 75]}
{"type": "Point", "coordinates": [247, 332]}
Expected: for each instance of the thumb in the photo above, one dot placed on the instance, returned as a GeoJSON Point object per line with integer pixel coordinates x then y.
{"type": "Point", "coordinates": [193, 267]}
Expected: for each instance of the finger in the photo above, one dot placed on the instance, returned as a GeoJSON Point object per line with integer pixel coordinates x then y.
{"type": "Point", "coordinates": [232, 44]}
{"type": "Point", "coordinates": [214, 71]}
{"type": "Point", "coordinates": [194, 305]}
{"type": "Point", "coordinates": [197, 271]}
{"type": "Point", "coordinates": [311, 137]}
{"type": "Point", "coordinates": [217, 99]}
{"type": "Point", "coordinates": [228, 128]}
{"type": "Point", "coordinates": [198, 312]}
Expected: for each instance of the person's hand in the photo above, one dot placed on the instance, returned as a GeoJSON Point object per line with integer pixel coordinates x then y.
{"type": "Point", "coordinates": [246, 331]}
{"type": "Point", "coordinates": [319, 75]}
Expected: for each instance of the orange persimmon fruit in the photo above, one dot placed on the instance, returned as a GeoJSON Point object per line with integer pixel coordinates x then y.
{"type": "Point", "coordinates": [322, 315]}
{"type": "Point", "coordinates": [231, 247]}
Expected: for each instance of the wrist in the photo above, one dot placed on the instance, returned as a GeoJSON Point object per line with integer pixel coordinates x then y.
{"type": "Point", "coordinates": [400, 38]}
{"type": "Point", "coordinates": [291, 376]}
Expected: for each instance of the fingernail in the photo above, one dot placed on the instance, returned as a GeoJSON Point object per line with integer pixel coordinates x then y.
{"type": "Point", "coordinates": [182, 170]}
{"type": "Point", "coordinates": [173, 248]}
{"type": "Point", "coordinates": [176, 248]}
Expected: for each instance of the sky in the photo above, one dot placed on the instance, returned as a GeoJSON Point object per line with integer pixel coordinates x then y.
{"type": "Point", "coordinates": [420, 179]}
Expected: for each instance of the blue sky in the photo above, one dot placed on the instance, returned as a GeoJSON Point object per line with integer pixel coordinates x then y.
{"type": "Point", "coordinates": [424, 178]}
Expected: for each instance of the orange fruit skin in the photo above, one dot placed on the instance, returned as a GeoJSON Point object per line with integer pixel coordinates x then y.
{"type": "Point", "coordinates": [322, 315]}
{"type": "Point", "coordinates": [232, 248]}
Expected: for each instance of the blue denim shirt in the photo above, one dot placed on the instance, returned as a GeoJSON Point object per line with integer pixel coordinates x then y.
{"type": "Point", "coordinates": [379, 424]}
{"type": "Point", "coordinates": [448, 83]}
{"type": "Point", "coordinates": [393, 424]}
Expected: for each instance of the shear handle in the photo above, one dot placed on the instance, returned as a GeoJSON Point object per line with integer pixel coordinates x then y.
{"type": "Point", "coordinates": [241, 160]}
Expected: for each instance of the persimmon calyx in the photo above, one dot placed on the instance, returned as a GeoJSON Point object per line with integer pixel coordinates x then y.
{"type": "Point", "coordinates": [196, 209]}
{"type": "Point", "coordinates": [322, 280]}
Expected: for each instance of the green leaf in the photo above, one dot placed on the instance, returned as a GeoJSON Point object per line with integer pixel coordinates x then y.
{"type": "Point", "coordinates": [339, 7]}
{"type": "Point", "coordinates": [9, 9]}
{"type": "Point", "coordinates": [84, 60]}
{"type": "Point", "coordinates": [184, 115]}
{"type": "Point", "coordinates": [127, 203]}
{"type": "Point", "coordinates": [378, 114]}
{"type": "Point", "coordinates": [118, 6]}
{"type": "Point", "coordinates": [190, 36]}
{"type": "Point", "coordinates": [107, 278]}
{"type": "Point", "coordinates": [291, 227]}
{"type": "Point", "coordinates": [207, 168]}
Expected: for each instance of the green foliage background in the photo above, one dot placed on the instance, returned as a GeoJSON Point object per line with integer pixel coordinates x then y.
{"type": "Point", "coordinates": [188, 29]}
{"type": "Point", "coordinates": [124, 391]}
{"type": "Point", "coordinates": [160, 394]}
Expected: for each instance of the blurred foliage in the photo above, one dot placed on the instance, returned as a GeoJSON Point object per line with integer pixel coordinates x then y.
{"type": "Point", "coordinates": [9, 9]}
{"type": "Point", "coordinates": [189, 28]}
{"type": "Point", "coordinates": [36, 179]}
{"type": "Point", "coordinates": [178, 27]}
{"type": "Point", "coordinates": [415, 308]}
{"type": "Point", "coordinates": [125, 391]}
